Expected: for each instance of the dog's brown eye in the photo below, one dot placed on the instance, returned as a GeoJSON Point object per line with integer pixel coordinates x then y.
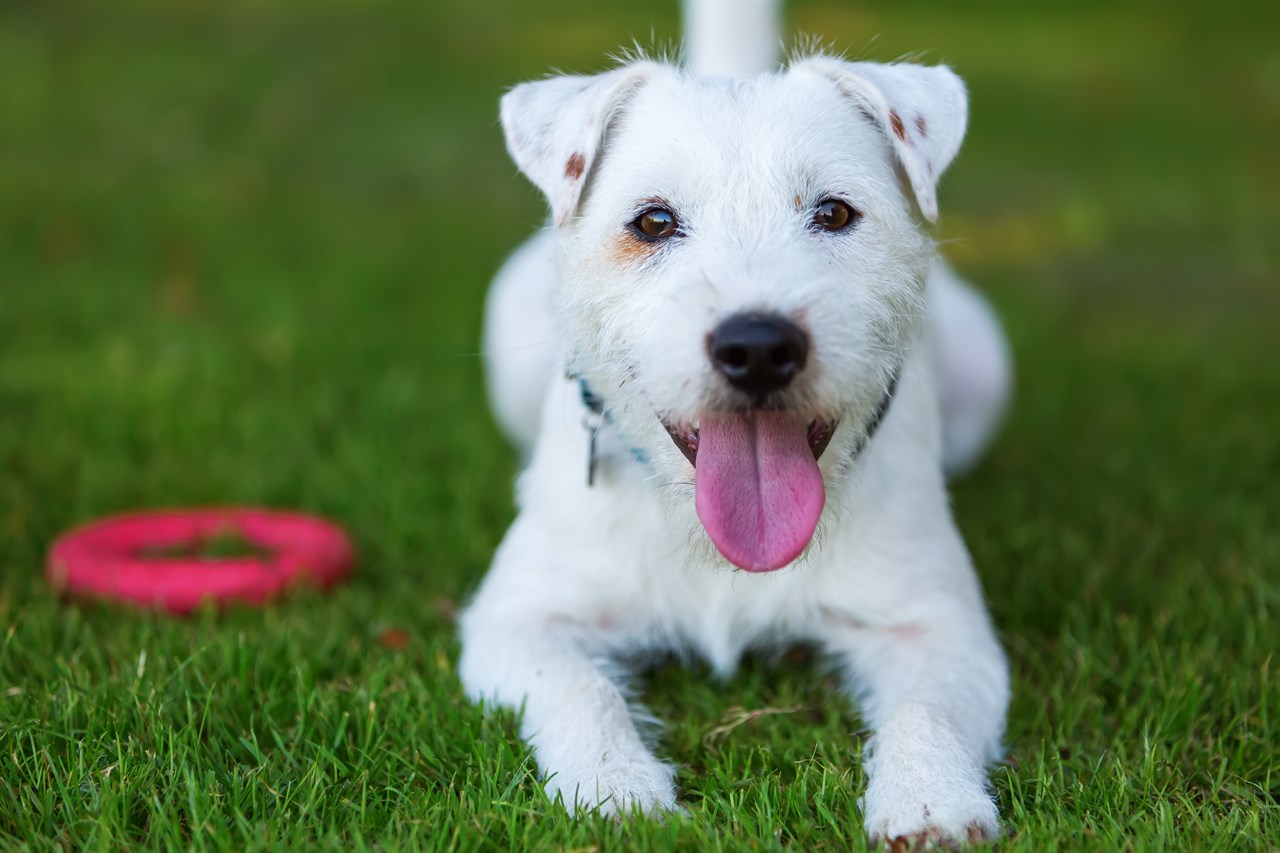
{"type": "Point", "coordinates": [656, 223]}
{"type": "Point", "coordinates": [834, 215]}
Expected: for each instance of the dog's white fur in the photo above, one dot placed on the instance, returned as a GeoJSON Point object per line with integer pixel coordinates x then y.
{"type": "Point", "coordinates": [591, 576]}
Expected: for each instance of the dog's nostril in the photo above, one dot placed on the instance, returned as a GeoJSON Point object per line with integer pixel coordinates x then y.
{"type": "Point", "coordinates": [758, 353]}
{"type": "Point", "coordinates": [784, 356]}
{"type": "Point", "coordinates": [733, 356]}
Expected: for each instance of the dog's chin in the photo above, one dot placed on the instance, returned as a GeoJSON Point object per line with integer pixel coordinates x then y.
{"type": "Point", "coordinates": [685, 436]}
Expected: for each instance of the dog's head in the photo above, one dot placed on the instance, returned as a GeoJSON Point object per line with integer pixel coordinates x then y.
{"type": "Point", "coordinates": [741, 273]}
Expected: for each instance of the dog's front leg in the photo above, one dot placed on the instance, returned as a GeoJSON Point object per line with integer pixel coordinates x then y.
{"type": "Point", "coordinates": [575, 715]}
{"type": "Point", "coordinates": [934, 687]}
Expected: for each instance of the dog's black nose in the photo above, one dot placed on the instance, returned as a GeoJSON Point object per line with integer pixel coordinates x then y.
{"type": "Point", "coordinates": [758, 353]}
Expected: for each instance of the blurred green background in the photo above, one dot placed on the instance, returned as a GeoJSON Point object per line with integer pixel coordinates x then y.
{"type": "Point", "coordinates": [243, 253]}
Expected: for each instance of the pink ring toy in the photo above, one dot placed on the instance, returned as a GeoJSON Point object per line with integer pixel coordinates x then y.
{"type": "Point", "coordinates": [110, 559]}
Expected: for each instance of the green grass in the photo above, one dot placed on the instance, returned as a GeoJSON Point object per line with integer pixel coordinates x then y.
{"type": "Point", "coordinates": [243, 250]}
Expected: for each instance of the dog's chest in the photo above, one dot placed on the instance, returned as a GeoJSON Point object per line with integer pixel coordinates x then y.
{"type": "Point", "coordinates": [683, 596]}
{"type": "Point", "coordinates": [723, 614]}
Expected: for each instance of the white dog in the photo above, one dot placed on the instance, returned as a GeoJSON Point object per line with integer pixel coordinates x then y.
{"type": "Point", "coordinates": [735, 347]}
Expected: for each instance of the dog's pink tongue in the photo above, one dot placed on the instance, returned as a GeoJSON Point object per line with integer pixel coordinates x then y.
{"type": "Point", "coordinates": [759, 490]}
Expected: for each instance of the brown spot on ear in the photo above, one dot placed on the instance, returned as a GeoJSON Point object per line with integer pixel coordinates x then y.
{"type": "Point", "coordinates": [922, 126]}
{"type": "Point", "coordinates": [573, 169]}
{"type": "Point", "coordinates": [627, 250]}
{"type": "Point", "coordinates": [799, 203]}
{"type": "Point", "coordinates": [895, 121]}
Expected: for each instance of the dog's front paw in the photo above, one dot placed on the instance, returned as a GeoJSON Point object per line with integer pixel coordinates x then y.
{"type": "Point", "coordinates": [933, 814]}
{"type": "Point", "coordinates": [646, 786]}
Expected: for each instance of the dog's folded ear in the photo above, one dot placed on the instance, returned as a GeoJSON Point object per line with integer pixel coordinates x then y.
{"type": "Point", "coordinates": [555, 128]}
{"type": "Point", "coordinates": [921, 109]}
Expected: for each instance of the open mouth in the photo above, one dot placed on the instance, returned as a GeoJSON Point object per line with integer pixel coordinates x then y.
{"type": "Point", "coordinates": [758, 490]}
{"type": "Point", "coordinates": [819, 434]}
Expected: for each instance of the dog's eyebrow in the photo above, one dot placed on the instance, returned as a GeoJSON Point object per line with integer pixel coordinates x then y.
{"type": "Point", "coordinates": [641, 205]}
